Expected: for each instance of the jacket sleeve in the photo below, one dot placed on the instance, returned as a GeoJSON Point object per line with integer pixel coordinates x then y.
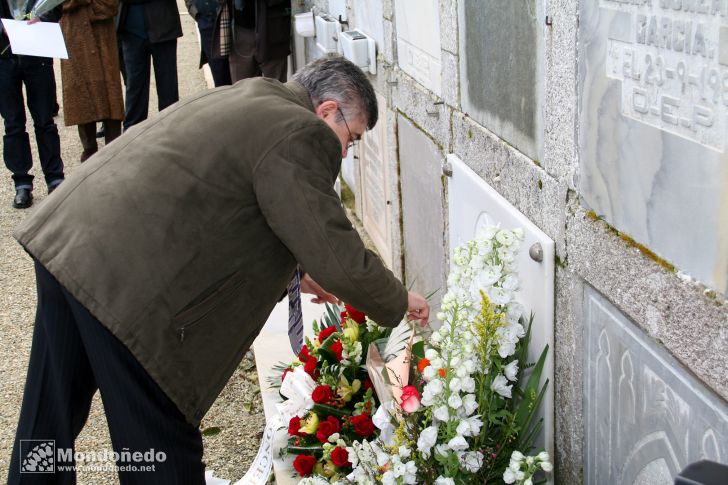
{"type": "Point", "coordinates": [104, 9]}
{"type": "Point", "coordinates": [191, 8]}
{"type": "Point", "coordinates": [293, 184]}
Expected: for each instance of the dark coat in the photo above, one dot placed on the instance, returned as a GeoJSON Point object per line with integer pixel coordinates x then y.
{"type": "Point", "coordinates": [162, 17]}
{"type": "Point", "coordinates": [272, 30]}
{"type": "Point", "coordinates": [91, 81]}
{"type": "Point", "coordinates": [182, 248]}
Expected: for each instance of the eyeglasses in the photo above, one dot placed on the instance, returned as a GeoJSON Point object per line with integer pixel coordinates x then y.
{"type": "Point", "coordinates": [352, 140]}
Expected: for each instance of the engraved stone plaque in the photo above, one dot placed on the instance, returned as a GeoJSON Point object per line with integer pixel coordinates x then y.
{"type": "Point", "coordinates": [500, 69]}
{"type": "Point", "coordinates": [653, 107]}
{"type": "Point", "coordinates": [422, 212]}
{"type": "Point", "coordinates": [646, 417]}
{"type": "Point", "coordinates": [418, 41]}
{"type": "Point", "coordinates": [375, 185]}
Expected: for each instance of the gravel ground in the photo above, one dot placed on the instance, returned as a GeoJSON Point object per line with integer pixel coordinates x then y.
{"type": "Point", "coordinates": [232, 428]}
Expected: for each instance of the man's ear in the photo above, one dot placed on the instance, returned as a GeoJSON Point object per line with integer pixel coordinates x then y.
{"type": "Point", "coordinates": [326, 109]}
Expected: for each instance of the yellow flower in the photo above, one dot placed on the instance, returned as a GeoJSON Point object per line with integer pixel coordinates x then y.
{"type": "Point", "coordinates": [311, 424]}
{"type": "Point", "coordinates": [351, 330]}
{"type": "Point", "coordinates": [345, 390]}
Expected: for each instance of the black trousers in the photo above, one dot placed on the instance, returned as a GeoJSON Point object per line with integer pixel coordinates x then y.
{"type": "Point", "coordinates": [138, 56]}
{"type": "Point", "coordinates": [72, 356]}
{"type": "Point", "coordinates": [219, 66]}
{"type": "Point", "coordinates": [36, 73]}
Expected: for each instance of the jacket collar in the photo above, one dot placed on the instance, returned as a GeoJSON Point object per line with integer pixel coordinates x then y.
{"type": "Point", "coordinates": [300, 92]}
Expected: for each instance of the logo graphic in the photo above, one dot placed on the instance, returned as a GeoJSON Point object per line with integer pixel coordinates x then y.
{"type": "Point", "coordinates": [38, 456]}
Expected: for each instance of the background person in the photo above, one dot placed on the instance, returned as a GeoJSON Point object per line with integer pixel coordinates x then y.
{"type": "Point", "coordinates": [36, 74]}
{"type": "Point", "coordinates": [91, 81]}
{"type": "Point", "coordinates": [205, 12]}
{"type": "Point", "coordinates": [148, 30]}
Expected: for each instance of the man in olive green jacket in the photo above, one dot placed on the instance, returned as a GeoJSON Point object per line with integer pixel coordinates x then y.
{"type": "Point", "coordinates": [179, 238]}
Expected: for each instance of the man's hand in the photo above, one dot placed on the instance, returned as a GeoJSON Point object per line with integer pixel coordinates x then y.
{"type": "Point", "coordinates": [308, 285]}
{"type": "Point", "coordinates": [417, 308]}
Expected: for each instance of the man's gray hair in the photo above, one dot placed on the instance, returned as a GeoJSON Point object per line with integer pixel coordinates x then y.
{"type": "Point", "coordinates": [337, 79]}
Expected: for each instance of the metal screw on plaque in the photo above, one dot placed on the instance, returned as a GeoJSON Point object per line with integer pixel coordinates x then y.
{"type": "Point", "coordinates": [536, 252]}
{"type": "Point", "coordinates": [447, 169]}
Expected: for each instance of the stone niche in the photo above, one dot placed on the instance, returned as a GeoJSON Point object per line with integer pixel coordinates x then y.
{"type": "Point", "coordinates": [422, 212]}
{"type": "Point", "coordinates": [500, 69]}
{"type": "Point", "coordinates": [646, 416]}
{"type": "Point", "coordinates": [368, 15]}
{"type": "Point", "coordinates": [418, 41]}
{"type": "Point", "coordinates": [652, 119]}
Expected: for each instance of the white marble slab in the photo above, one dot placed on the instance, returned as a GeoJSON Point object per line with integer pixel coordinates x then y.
{"type": "Point", "coordinates": [418, 41]}
{"type": "Point", "coordinates": [653, 113]}
{"type": "Point", "coordinates": [646, 416]}
{"type": "Point", "coordinates": [472, 204]}
{"type": "Point", "coordinates": [368, 15]}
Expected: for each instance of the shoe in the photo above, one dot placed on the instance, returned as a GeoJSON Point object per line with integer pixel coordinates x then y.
{"type": "Point", "coordinates": [23, 198]}
{"type": "Point", "coordinates": [87, 153]}
{"type": "Point", "coordinates": [101, 133]}
{"type": "Point", "coordinates": [52, 187]}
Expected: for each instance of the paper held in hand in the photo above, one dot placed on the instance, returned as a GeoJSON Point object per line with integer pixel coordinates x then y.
{"type": "Point", "coordinates": [43, 39]}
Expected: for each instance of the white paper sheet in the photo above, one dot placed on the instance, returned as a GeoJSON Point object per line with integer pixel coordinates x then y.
{"type": "Point", "coordinates": [42, 39]}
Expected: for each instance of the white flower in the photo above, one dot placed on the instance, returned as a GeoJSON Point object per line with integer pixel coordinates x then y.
{"type": "Point", "coordinates": [470, 404]}
{"type": "Point", "coordinates": [444, 481]}
{"type": "Point", "coordinates": [520, 476]}
{"type": "Point", "coordinates": [441, 316]}
{"type": "Point", "coordinates": [455, 384]}
{"type": "Point", "coordinates": [431, 390]}
{"type": "Point", "coordinates": [429, 373]}
{"type": "Point", "coordinates": [528, 481]}
{"type": "Point", "coordinates": [463, 428]}
{"type": "Point", "coordinates": [510, 282]}
{"type": "Point", "coordinates": [431, 354]}
{"type": "Point", "coordinates": [475, 424]}
{"type": "Point", "coordinates": [529, 460]}
{"type": "Point", "coordinates": [505, 237]}
{"type": "Point", "coordinates": [543, 456]}
{"type": "Point", "coordinates": [314, 480]}
{"type": "Point", "coordinates": [499, 296]}
{"type": "Point", "coordinates": [509, 476]}
{"type": "Point", "coordinates": [499, 385]}
{"type": "Point", "coordinates": [334, 438]}
{"type": "Point", "coordinates": [487, 232]}
{"type": "Point", "coordinates": [454, 401]}
{"type": "Point", "coordinates": [458, 443]}
{"type": "Point", "coordinates": [468, 384]}
{"type": "Point", "coordinates": [472, 461]}
{"type": "Point", "coordinates": [388, 478]}
{"type": "Point", "coordinates": [404, 452]}
{"type": "Point", "coordinates": [517, 456]}
{"type": "Point", "coordinates": [489, 275]}
{"type": "Point", "coordinates": [441, 413]}
{"type": "Point", "coordinates": [427, 439]}
{"type": "Point", "coordinates": [511, 371]}
{"type": "Point", "coordinates": [546, 466]}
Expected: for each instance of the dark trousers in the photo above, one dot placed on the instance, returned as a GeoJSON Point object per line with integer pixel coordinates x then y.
{"type": "Point", "coordinates": [243, 63]}
{"type": "Point", "coordinates": [36, 73]}
{"type": "Point", "coordinates": [138, 56]}
{"type": "Point", "coordinates": [219, 67]}
{"type": "Point", "coordinates": [72, 356]}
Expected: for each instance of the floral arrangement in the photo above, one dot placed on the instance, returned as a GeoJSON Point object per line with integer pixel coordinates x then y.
{"type": "Point", "coordinates": [329, 397]}
{"type": "Point", "coordinates": [465, 418]}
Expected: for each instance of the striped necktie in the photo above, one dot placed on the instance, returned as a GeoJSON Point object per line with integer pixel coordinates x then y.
{"type": "Point", "coordinates": [295, 316]}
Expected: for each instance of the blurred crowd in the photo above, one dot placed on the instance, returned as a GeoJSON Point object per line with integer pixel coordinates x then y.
{"type": "Point", "coordinates": [112, 46]}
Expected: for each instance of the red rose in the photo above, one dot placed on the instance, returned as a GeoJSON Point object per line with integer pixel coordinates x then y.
{"type": "Point", "coordinates": [367, 384]}
{"type": "Point", "coordinates": [337, 348]}
{"type": "Point", "coordinates": [410, 399]}
{"type": "Point", "coordinates": [304, 354]}
{"type": "Point", "coordinates": [340, 457]}
{"type": "Point", "coordinates": [322, 394]}
{"type": "Point", "coordinates": [363, 425]}
{"type": "Point", "coordinates": [304, 464]}
{"type": "Point", "coordinates": [294, 425]}
{"type": "Point", "coordinates": [325, 333]}
{"type": "Point", "coordinates": [327, 428]}
{"type": "Point", "coordinates": [310, 365]}
{"type": "Point", "coordinates": [353, 313]}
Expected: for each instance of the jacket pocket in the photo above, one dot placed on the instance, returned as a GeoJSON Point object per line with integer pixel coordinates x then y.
{"type": "Point", "coordinates": [207, 306]}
